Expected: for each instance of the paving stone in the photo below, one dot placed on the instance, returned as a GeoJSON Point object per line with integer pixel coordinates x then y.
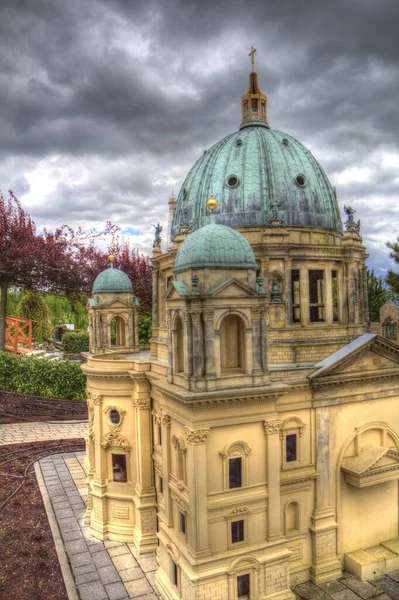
{"type": "Point", "coordinates": [147, 597]}
{"type": "Point", "coordinates": [137, 588]}
{"type": "Point", "coordinates": [331, 587]}
{"type": "Point", "coordinates": [364, 589]}
{"type": "Point", "coordinates": [151, 578]}
{"type": "Point", "coordinates": [95, 549]}
{"type": "Point", "coordinates": [63, 513]}
{"type": "Point", "coordinates": [131, 574]}
{"type": "Point", "coordinates": [109, 544]}
{"type": "Point", "coordinates": [101, 559]}
{"type": "Point", "coordinates": [109, 575]}
{"type": "Point", "coordinates": [68, 527]}
{"type": "Point", "coordinates": [394, 575]}
{"type": "Point", "coordinates": [345, 595]}
{"type": "Point", "coordinates": [118, 551]}
{"type": "Point", "coordinates": [308, 590]}
{"type": "Point", "coordinates": [84, 569]}
{"type": "Point", "coordinates": [127, 561]}
{"type": "Point", "coordinates": [76, 546]}
{"type": "Point", "coordinates": [79, 560]}
{"type": "Point", "coordinates": [92, 591]}
{"type": "Point", "coordinates": [148, 563]}
{"type": "Point", "coordinates": [71, 535]}
{"type": "Point", "coordinates": [61, 504]}
{"type": "Point", "coordinates": [87, 577]}
{"type": "Point", "coordinates": [116, 591]}
{"type": "Point", "coordinates": [389, 586]}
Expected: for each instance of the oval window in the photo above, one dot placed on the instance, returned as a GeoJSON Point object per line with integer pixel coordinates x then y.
{"type": "Point", "coordinates": [300, 180]}
{"type": "Point", "coordinates": [286, 142]}
{"type": "Point", "coordinates": [114, 416]}
{"type": "Point", "coordinates": [239, 143]}
{"type": "Point", "coordinates": [232, 181]}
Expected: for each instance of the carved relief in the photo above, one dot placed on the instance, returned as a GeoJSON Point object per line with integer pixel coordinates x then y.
{"type": "Point", "coordinates": [208, 314]}
{"type": "Point", "coordinates": [198, 436]}
{"type": "Point", "coordinates": [235, 449]}
{"type": "Point", "coordinates": [141, 403]}
{"type": "Point", "coordinates": [120, 512]}
{"type": "Point", "coordinates": [121, 411]}
{"type": "Point", "coordinates": [97, 400]}
{"type": "Point", "coordinates": [237, 510]}
{"type": "Point", "coordinates": [272, 426]}
{"type": "Point", "coordinates": [180, 503]}
{"type": "Point", "coordinates": [114, 438]}
{"type": "Point", "coordinates": [195, 316]}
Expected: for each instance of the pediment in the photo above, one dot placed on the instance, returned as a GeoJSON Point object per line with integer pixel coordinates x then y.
{"type": "Point", "coordinates": [373, 465]}
{"type": "Point", "coordinates": [176, 289]}
{"type": "Point", "coordinates": [232, 287]}
{"type": "Point", "coordinates": [368, 353]}
{"type": "Point", "coordinates": [116, 303]}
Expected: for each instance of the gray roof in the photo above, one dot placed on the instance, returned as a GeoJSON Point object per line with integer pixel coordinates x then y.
{"type": "Point", "coordinates": [337, 357]}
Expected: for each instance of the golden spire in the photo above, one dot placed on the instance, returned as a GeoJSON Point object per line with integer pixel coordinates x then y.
{"type": "Point", "coordinates": [254, 102]}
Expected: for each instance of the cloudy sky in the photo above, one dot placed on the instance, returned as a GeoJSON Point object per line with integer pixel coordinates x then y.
{"type": "Point", "coordinates": [106, 104]}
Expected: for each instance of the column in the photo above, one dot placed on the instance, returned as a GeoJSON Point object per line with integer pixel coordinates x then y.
{"type": "Point", "coordinates": [325, 562]}
{"type": "Point", "coordinates": [188, 345]}
{"type": "Point", "coordinates": [256, 342]}
{"type": "Point", "coordinates": [99, 517]}
{"type": "Point", "coordinates": [263, 340]}
{"type": "Point", "coordinates": [365, 297]}
{"type": "Point", "coordinates": [304, 289]}
{"type": "Point", "coordinates": [197, 341]}
{"type": "Point", "coordinates": [170, 347]}
{"type": "Point", "coordinates": [350, 290]}
{"type": "Point", "coordinates": [287, 289]}
{"type": "Point", "coordinates": [155, 274]}
{"type": "Point", "coordinates": [197, 538]}
{"type": "Point", "coordinates": [328, 297]}
{"type": "Point", "coordinates": [164, 421]}
{"type": "Point", "coordinates": [273, 462]}
{"type": "Point", "coordinates": [209, 343]}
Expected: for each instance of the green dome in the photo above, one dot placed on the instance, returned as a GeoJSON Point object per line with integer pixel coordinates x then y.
{"type": "Point", "coordinates": [214, 247]}
{"type": "Point", "coordinates": [254, 174]}
{"type": "Point", "coordinates": [112, 280]}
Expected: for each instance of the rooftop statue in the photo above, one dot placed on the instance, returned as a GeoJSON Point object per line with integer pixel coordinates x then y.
{"type": "Point", "coordinates": [157, 236]}
{"type": "Point", "coordinates": [350, 223]}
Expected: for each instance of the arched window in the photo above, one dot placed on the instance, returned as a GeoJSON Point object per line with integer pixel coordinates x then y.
{"type": "Point", "coordinates": [181, 451]}
{"type": "Point", "coordinates": [117, 331]}
{"type": "Point", "coordinates": [389, 329]}
{"type": "Point", "coordinates": [291, 517]}
{"type": "Point", "coordinates": [179, 346]}
{"type": "Point", "coordinates": [232, 344]}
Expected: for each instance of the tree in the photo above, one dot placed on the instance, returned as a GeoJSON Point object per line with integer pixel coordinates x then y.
{"type": "Point", "coordinates": [33, 306]}
{"type": "Point", "coordinates": [65, 261]}
{"type": "Point", "coordinates": [392, 278]}
{"type": "Point", "coordinates": [377, 295]}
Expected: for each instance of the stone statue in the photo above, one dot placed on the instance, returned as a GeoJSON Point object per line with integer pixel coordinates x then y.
{"type": "Point", "coordinates": [350, 223]}
{"type": "Point", "coordinates": [157, 236]}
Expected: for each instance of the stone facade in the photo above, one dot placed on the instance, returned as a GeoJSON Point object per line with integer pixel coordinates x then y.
{"type": "Point", "coordinates": [389, 321]}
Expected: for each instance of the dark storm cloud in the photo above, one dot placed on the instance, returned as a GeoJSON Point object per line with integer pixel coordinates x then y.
{"type": "Point", "coordinates": [110, 102]}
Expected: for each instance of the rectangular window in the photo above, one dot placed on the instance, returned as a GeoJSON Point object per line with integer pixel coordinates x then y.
{"type": "Point", "coordinates": [243, 586]}
{"type": "Point", "coordinates": [237, 532]}
{"type": "Point", "coordinates": [161, 485]}
{"type": "Point", "coordinates": [182, 521]}
{"type": "Point", "coordinates": [334, 283]}
{"type": "Point", "coordinates": [263, 110]}
{"type": "Point", "coordinates": [168, 280]}
{"type": "Point", "coordinates": [119, 471]}
{"type": "Point", "coordinates": [246, 110]}
{"type": "Point", "coordinates": [175, 574]}
{"type": "Point", "coordinates": [254, 110]}
{"type": "Point", "coordinates": [290, 447]}
{"type": "Point", "coordinates": [316, 296]}
{"type": "Point", "coordinates": [235, 473]}
{"type": "Point", "coordinates": [295, 296]}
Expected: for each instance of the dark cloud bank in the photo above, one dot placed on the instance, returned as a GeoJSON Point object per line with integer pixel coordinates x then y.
{"type": "Point", "coordinates": [104, 106]}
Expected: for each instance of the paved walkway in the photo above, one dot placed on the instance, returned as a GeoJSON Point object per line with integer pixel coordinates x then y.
{"type": "Point", "coordinates": [18, 433]}
{"type": "Point", "coordinates": [102, 570]}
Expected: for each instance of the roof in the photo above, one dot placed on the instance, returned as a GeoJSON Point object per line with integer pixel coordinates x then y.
{"type": "Point", "coordinates": [257, 173]}
{"type": "Point", "coordinates": [365, 460]}
{"type": "Point", "coordinates": [214, 247]}
{"type": "Point", "coordinates": [337, 357]}
{"type": "Point", "coordinates": [112, 280]}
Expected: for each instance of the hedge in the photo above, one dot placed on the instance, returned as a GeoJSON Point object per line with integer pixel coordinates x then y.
{"type": "Point", "coordinates": [73, 343]}
{"type": "Point", "coordinates": [42, 377]}
{"type": "Point", "coordinates": [145, 324]}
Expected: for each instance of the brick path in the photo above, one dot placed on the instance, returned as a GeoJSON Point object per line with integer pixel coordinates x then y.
{"type": "Point", "coordinates": [18, 433]}
{"type": "Point", "coordinates": [102, 570]}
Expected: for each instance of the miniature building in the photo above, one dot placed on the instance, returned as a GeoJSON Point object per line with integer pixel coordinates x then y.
{"type": "Point", "coordinates": [389, 321]}
{"type": "Point", "coordinates": [257, 445]}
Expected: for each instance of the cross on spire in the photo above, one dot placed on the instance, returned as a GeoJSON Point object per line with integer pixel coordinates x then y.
{"type": "Point", "coordinates": [252, 55]}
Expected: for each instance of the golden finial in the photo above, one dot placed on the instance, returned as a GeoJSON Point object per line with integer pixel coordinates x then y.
{"type": "Point", "coordinates": [212, 203]}
{"type": "Point", "coordinates": [111, 259]}
{"type": "Point", "coordinates": [252, 55]}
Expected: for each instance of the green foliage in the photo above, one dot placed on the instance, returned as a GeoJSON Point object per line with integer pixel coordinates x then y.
{"type": "Point", "coordinates": [392, 278]}
{"type": "Point", "coordinates": [73, 343]}
{"type": "Point", "coordinates": [377, 295]}
{"type": "Point", "coordinates": [145, 324]}
{"type": "Point", "coordinates": [32, 306]}
{"type": "Point", "coordinates": [42, 377]}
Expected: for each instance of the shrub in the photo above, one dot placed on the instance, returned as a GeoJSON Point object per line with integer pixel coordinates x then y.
{"type": "Point", "coordinates": [42, 377]}
{"type": "Point", "coordinates": [73, 343]}
{"type": "Point", "coordinates": [145, 324]}
{"type": "Point", "coordinates": [32, 306]}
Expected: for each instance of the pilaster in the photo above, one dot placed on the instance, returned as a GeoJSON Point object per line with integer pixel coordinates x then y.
{"type": "Point", "coordinates": [273, 518]}
{"type": "Point", "coordinates": [287, 289]}
{"type": "Point", "coordinates": [209, 347]}
{"type": "Point", "coordinates": [328, 299]}
{"type": "Point", "coordinates": [304, 289]}
{"type": "Point", "coordinates": [198, 355]}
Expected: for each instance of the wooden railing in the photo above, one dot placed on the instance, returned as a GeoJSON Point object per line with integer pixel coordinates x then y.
{"type": "Point", "coordinates": [18, 335]}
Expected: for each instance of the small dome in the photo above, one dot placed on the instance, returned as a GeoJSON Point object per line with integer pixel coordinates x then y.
{"type": "Point", "coordinates": [214, 247]}
{"type": "Point", "coordinates": [112, 280]}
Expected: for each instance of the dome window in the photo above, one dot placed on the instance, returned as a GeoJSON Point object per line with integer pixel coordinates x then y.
{"type": "Point", "coordinates": [184, 193]}
{"type": "Point", "coordinates": [300, 180]}
{"type": "Point", "coordinates": [285, 142]}
{"type": "Point", "coordinates": [239, 143]}
{"type": "Point", "coordinates": [232, 181]}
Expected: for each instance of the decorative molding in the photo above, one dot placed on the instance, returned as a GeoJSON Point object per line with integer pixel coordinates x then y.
{"type": "Point", "coordinates": [97, 399]}
{"type": "Point", "coordinates": [114, 438]}
{"type": "Point", "coordinates": [158, 468]}
{"type": "Point", "coordinates": [164, 420]}
{"type": "Point", "coordinates": [208, 314]}
{"type": "Point", "coordinates": [196, 437]}
{"type": "Point", "coordinates": [195, 316]}
{"type": "Point", "coordinates": [237, 511]}
{"type": "Point", "coordinates": [235, 449]}
{"type": "Point", "coordinates": [180, 503]}
{"type": "Point", "coordinates": [224, 402]}
{"type": "Point", "coordinates": [141, 403]}
{"type": "Point", "coordinates": [272, 426]}
{"type": "Point", "coordinates": [120, 512]}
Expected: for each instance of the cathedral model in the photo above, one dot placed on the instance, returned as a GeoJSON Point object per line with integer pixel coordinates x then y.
{"type": "Point", "coordinates": [256, 445]}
